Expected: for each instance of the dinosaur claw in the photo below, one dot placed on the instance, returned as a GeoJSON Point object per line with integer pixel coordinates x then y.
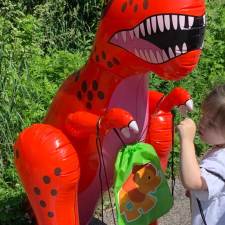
{"type": "Point", "coordinates": [190, 105]}
{"type": "Point", "coordinates": [134, 127]}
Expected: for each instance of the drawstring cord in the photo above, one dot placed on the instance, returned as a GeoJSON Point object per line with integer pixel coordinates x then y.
{"type": "Point", "coordinates": [173, 178]}
{"type": "Point", "coordinates": [102, 162]}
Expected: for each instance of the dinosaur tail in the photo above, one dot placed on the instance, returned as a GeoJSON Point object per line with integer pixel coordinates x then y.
{"type": "Point", "coordinates": [49, 169]}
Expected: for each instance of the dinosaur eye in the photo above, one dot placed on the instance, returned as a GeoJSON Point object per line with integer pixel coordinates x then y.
{"type": "Point", "coordinates": [149, 177]}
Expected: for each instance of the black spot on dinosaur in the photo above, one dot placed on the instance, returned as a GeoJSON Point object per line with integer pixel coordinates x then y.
{"type": "Point", "coordinates": [46, 179]}
{"type": "Point", "coordinates": [95, 85]}
{"type": "Point", "coordinates": [101, 95]}
{"type": "Point", "coordinates": [43, 204]}
{"type": "Point", "coordinates": [124, 7]}
{"type": "Point", "coordinates": [57, 171]}
{"type": "Point", "coordinates": [109, 64]}
{"type": "Point", "coordinates": [37, 191]}
{"type": "Point", "coordinates": [136, 8]}
{"type": "Point", "coordinates": [145, 4]}
{"type": "Point", "coordinates": [50, 214]}
{"type": "Point", "coordinates": [54, 192]}
{"type": "Point", "coordinates": [97, 58]}
{"type": "Point", "coordinates": [84, 86]}
{"type": "Point", "coordinates": [116, 61]}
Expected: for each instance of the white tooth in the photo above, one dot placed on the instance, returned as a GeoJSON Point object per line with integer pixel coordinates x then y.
{"type": "Point", "coordinates": [134, 127]}
{"type": "Point", "coordinates": [142, 55]}
{"type": "Point", "coordinates": [136, 52]}
{"type": "Point", "coordinates": [190, 105]}
{"type": "Point", "coordinates": [167, 21]}
{"type": "Point", "coordinates": [137, 31]}
{"type": "Point", "coordinates": [126, 132]}
{"type": "Point", "coordinates": [177, 50]}
{"type": "Point", "coordinates": [182, 22]}
{"type": "Point", "coordinates": [153, 20]}
{"type": "Point", "coordinates": [175, 22]}
{"type": "Point", "coordinates": [142, 28]}
{"type": "Point", "coordinates": [131, 32]}
{"type": "Point", "coordinates": [171, 54]}
{"type": "Point", "coordinates": [147, 56]}
{"type": "Point", "coordinates": [116, 36]}
{"type": "Point", "coordinates": [160, 23]}
{"type": "Point", "coordinates": [165, 57]}
{"type": "Point", "coordinates": [190, 21]}
{"type": "Point", "coordinates": [184, 48]}
{"type": "Point", "coordinates": [124, 36]}
{"type": "Point", "coordinates": [152, 56]}
{"type": "Point", "coordinates": [204, 20]}
{"type": "Point", "coordinates": [149, 26]}
{"type": "Point", "coordinates": [159, 57]}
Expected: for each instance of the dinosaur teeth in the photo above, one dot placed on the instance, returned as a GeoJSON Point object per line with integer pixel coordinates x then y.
{"type": "Point", "coordinates": [149, 29]}
{"type": "Point", "coordinates": [124, 36]}
{"type": "Point", "coordinates": [137, 32]}
{"type": "Point", "coordinates": [142, 55]}
{"type": "Point", "coordinates": [165, 57]}
{"type": "Point", "coordinates": [167, 21]}
{"type": "Point", "coordinates": [190, 21]}
{"type": "Point", "coordinates": [175, 21]}
{"type": "Point", "coordinates": [142, 28]}
{"type": "Point", "coordinates": [177, 50]}
{"type": "Point", "coordinates": [160, 23]}
{"type": "Point", "coordinates": [159, 57]}
{"type": "Point", "coordinates": [152, 57]}
{"type": "Point", "coordinates": [154, 27]}
{"type": "Point", "coordinates": [131, 32]}
{"type": "Point", "coordinates": [184, 48]}
{"type": "Point", "coordinates": [182, 22]}
{"type": "Point", "coordinates": [171, 54]}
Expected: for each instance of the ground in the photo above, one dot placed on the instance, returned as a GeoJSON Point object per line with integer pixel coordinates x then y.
{"type": "Point", "coordinates": [179, 214]}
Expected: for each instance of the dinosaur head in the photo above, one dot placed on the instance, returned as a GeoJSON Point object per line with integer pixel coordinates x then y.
{"type": "Point", "coordinates": [139, 36]}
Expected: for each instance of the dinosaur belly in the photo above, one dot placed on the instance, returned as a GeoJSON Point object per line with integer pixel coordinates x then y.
{"type": "Point", "coordinates": [130, 95]}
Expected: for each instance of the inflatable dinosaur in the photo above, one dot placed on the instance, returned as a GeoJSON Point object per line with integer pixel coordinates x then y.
{"type": "Point", "coordinates": [58, 160]}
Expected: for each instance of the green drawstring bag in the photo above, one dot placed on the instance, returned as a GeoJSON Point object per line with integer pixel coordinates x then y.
{"type": "Point", "coordinates": [141, 190]}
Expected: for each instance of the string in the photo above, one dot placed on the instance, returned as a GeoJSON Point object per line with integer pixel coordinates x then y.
{"type": "Point", "coordinates": [173, 178]}
{"type": "Point", "coordinates": [100, 170]}
{"type": "Point", "coordinates": [102, 161]}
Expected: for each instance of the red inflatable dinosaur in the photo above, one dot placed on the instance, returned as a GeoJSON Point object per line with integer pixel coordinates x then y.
{"type": "Point", "coordinates": [58, 161]}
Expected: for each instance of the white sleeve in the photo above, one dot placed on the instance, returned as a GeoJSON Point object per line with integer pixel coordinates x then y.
{"type": "Point", "coordinates": [214, 184]}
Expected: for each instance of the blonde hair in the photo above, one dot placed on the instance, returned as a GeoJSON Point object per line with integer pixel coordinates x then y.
{"type": "Point", "coordinates": [214, 104]}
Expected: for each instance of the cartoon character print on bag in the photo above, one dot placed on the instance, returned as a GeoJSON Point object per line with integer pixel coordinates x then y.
{"type": "Point", "coordinates": [135, 198]}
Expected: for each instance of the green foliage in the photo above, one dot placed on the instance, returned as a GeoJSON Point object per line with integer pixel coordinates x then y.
{"type": "Point", "coordinates": [40, 44]}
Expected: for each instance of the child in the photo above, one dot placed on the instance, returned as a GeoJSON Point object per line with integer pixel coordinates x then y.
{"type": "Point", "coordinates": [206, 182]}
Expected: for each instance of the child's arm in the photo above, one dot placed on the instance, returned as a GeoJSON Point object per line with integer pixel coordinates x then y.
{"type": "Point", "coordinates": [190, 171]}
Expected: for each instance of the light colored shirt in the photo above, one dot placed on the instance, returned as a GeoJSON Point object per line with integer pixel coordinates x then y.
{"type": "Point", "coordinates": [212, 200]}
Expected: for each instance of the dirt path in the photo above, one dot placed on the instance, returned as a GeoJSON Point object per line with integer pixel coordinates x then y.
{"type": "Point", "coordinates": [178, 215]}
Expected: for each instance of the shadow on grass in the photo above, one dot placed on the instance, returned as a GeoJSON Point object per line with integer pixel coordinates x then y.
{"type": "Point", "coordinates": [14, 208]}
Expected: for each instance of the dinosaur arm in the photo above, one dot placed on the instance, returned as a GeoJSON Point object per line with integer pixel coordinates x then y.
{"type": "Point", "coordinates": [160, 132]}
{"type": "Point", "coordinates": [82, 123]}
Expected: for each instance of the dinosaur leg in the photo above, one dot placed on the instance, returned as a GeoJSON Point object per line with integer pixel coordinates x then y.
{"type": "Point", "coordinates": [49, 169]}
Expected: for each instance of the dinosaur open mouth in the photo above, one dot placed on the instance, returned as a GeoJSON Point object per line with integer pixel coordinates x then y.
{"type": "Point", "coordinates": [161, 38]}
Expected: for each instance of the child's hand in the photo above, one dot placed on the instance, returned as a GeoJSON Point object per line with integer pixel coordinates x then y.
{"type": "Point", "coordinates": [187, 130]}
